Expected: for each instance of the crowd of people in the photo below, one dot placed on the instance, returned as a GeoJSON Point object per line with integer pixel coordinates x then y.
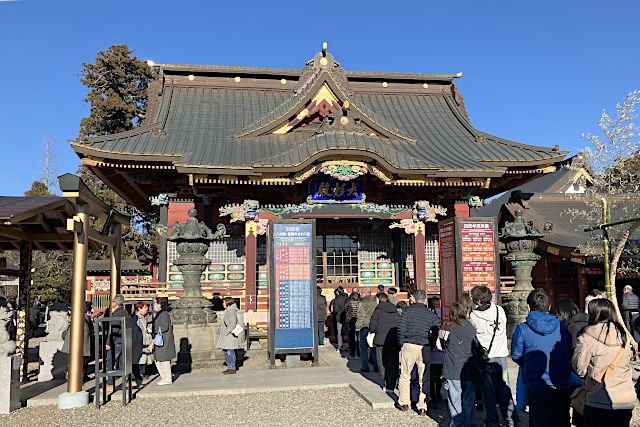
{"type": "Point", "coordinates": [571, 359]}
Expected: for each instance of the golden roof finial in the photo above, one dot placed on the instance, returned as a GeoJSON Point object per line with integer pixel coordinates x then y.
{"type": "Point", "coordinates": [324, 48]}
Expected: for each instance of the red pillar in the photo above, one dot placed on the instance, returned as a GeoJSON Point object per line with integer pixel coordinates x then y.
{"type": "Point", "coordinates": [251, 248]}
{"type": "Point", "coordinates": [461, 209]}
{"type": "Point", "coordinates": [419, 255]}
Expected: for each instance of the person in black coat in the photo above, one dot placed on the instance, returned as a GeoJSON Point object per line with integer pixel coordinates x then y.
{"type": "Point", "coordinates": [575, 320]}
{"type": "Point", "coordinates": [339, 313]}
{"type": "Point", "coordinates": [114, 341]}
{"type": "Point", "coordinates": [457, 336]}
{"type": "Point", "coordinates": [384, 318]}
{"type": "Point", "coordinates": [321, 302]}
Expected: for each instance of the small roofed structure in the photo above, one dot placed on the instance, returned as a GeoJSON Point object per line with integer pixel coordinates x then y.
{"type": "Point", "coordinates": [567, 268]}
{"type": "Point", "coordinates": [62, 223]}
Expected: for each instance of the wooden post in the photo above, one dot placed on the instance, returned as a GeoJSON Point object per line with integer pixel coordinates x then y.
{"type": "Point", "coordinates": [420, 255]}
{"type": "Point", "coordinates": [78, 300]}
{"type": "Point", "coordinates": [548, 280]}
{"type": "Point", "coordinates": [582, 286]}
{"type": "Point", "coordinates": [24, 289]}
{"type": "Point", "coordinates": [116, 261]}
{"type": "Point", "coordinates": [251, 249]}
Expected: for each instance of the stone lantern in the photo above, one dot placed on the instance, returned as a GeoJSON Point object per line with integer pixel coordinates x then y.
{"type": "Point", "coordinates": [520, 238]}
{"type": "Point", "coordinates": [192, 243]}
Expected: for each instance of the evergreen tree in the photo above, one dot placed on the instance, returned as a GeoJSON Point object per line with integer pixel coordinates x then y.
{"type": "Point", "coordinates": [117, 84]}
{"type": "Point", "coordinates": [38, 188]}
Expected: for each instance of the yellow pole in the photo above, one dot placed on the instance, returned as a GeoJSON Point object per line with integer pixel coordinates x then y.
{"type": "Point", "coordinates": [116, 255]}
{"type": "Point", "coordinates": [78, 296]}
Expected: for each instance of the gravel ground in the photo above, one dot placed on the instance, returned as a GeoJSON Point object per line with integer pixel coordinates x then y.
{"type": "Point", "coordinates": [312, 407]}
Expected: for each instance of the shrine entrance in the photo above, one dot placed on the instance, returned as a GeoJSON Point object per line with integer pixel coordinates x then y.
{"type": "Point", "coordinates": [337, 259]}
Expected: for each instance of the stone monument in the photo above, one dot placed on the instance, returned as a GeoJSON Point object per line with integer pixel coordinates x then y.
{"type": "Point", "coordinates": [51, 362]}
{"type": "Point", "coordinates": [192, 315]}
{"type": "Point", "coordinates": [9, 368]}
{"type": "Point", "coordinates": [520, 238]}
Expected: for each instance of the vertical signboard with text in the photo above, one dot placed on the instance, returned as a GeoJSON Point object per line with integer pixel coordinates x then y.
{"type": "Point", "coordinates": [468, 257]}
{"type": "Point", "coordinates": [292, 289]}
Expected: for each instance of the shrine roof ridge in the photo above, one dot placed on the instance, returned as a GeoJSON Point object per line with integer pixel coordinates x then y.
{"type": "Point", "coordinates": [293, 72]}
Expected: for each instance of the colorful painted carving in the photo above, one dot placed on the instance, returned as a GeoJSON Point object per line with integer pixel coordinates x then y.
{"type": "Point", "coordinates": [160, 200]}
{"type": "Point", "coordinates": [344, 172]}
{"type": "Point", "coordinates": [475, 202]}
{"type": "Point", "coordinates": [408, 225]}
{"type": "Point", "coordinates": [241, 212]}
{"type": "Point", "coordinates": [424, 211]}
{"type": "Point", "coordinates": [262, 225]}
{"type": "Point", "coordinates": [281, 210]}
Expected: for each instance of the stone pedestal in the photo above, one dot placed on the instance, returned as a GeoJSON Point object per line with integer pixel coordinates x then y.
{"type": "Point", "coordinates": [293, 360]}
{"type": "Point", "coordinates": [52, 360]}
{"type": "Point", "coordinates": [196, 342]}
{"type": "Point", "coordinates": [515, 308]}
{"type": "Point", "coordinates": [520, 238]}
{"type": "Point", "coordinates": [9, 383]}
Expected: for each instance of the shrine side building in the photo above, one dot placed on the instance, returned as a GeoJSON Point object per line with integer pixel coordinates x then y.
{"type": "Point", "coordinates": [376, 158]}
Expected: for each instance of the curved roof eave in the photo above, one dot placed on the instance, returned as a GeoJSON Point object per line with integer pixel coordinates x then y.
{"type": "Point", "coordinates": [81, 148]}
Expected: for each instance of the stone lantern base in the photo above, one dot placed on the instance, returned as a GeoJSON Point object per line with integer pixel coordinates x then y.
{"type": "Point", "coordinates": [515, 307]}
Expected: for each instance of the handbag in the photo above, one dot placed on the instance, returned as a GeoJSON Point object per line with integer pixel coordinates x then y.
{"type": "Point", "coordinates": [579, 395]}
{"type": "Point", "coordinates": [370, 337]}
{"type": "Point", "coordinates": [157, 340]}
{"type": "Point", "coordinates": [237, 330]}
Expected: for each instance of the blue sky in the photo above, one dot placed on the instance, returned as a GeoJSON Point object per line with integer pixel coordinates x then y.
{"type": "Point", "coordinates": [538, 72]}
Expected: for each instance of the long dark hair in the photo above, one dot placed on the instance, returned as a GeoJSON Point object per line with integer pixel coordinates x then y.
{"type": "Point", "coordinates": [565, 309]}
{"type": "Point", "coordinates": [457, 314]}
{"type": "Point", "coordinates": [603, 311]}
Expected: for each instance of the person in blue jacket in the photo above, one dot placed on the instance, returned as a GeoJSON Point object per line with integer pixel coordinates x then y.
{"type": "Point", "coordinates": [542, 347]}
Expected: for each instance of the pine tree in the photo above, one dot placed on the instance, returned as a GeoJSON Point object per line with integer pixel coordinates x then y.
{"type": "Point", "coordinates": [117, 84]}
{"type": "Point", "coordinates": [38, 188]}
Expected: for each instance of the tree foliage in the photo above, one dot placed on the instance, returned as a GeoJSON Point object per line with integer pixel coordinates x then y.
{"type": "Point", "coordinates": [614, 153]}
{"type": "Point", "coordinates": [117, 84]}
{"type": "Point", "coordinates": [38, 188]}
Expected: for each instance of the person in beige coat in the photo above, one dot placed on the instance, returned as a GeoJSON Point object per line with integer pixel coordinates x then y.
{"type": "Point", "coordinates": [602, 357]}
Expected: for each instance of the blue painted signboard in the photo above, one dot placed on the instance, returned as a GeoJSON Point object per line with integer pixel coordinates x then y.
{"type": "Point", "coordinates": [330, 190]}
{"type": "Point", "coordinates": [292, 301]}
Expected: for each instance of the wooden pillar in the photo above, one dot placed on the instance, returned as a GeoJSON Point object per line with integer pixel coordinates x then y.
{"type": "Point", "coordinates": [420, 255]}
{"type": "Point", "coordinates": [162, 261]}
{"type": "Point", "coordinates": [548, 279]}
{"type": "Point", "coordinates": [116, 261]}
{"type": "Point", "coordinates": [251, 253]}
{"type": "Point", "coordinates": [78, 299]}
{"type": "Point", "coordinates": [24, 303]}
{"type": "Point", "coordinates": [583, 285]}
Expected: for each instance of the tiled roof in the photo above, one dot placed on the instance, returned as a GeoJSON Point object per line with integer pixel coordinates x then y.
{"type": "Point", "coordinates": [206, 126]}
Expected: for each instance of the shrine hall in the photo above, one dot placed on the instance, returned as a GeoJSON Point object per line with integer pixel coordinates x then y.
{"type": "Point", "coordinates": [376, 158]}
